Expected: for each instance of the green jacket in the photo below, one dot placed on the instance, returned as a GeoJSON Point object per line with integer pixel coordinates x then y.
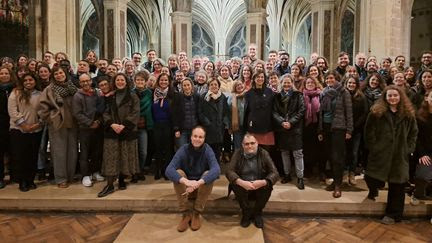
{"type": "Point", "coordinates": [389, 141]}
{"type": "Point", "coordinates": [146, 101]}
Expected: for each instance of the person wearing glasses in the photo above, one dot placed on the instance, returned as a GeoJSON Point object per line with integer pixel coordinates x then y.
{"type": "Point", "coordinates": [251, 172]}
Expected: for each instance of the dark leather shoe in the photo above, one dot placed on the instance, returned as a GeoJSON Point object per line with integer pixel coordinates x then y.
{"type": "Point", "coordinates": [134, 179]}
{"type": "Point", "coordinates": [31, 185]}
{"type": "Point", "coordinates": [259, 222]}
{"type": "Point", "coordinates": [108, 189]}
{"type": "Point", "coordinates": [300, 184]}
{"type": "Point", "coordinates": [122, 185]}
{"type": "Point", "coordinates": [23, 186]}
{"type": "Point", "coordinates": [286, 179]}
{"type": "Point", "coordinates": [245, 221]}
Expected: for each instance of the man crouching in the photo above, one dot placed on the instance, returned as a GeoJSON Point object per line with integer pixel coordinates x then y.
{"type": "Point", "coordinates": [193, 170]}
{"type": "Point", "coordinates": [252, 173]}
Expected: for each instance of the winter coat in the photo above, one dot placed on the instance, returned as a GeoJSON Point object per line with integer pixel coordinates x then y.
{"type": "Point", "coordinates": [146, 101]}
{"type": "Point", "coordinates": [5, 91]}
{"type": "Point", "coordinates": [214, 116]}
{"type": "Point", "coordinates": [266, 166]}
{"type": "Point", "coordinates": [360, 109]}
{"type": "Point", "coordinates": [424, 141]}
{"type": "Point", "coordinates": [389, 140]}
{"type": "Point", "coordinates": [87, 109]}
{"type": "Point", "coordinates": [126, 113]}
{"type": "Point", "coordinates": [342, 113]}
{"type": "Point", "coordinates": [289, 109]}
{"type": "Point", "coordinates": [258, 110]}
{"type": "Point", "coordinates": [179, 110]}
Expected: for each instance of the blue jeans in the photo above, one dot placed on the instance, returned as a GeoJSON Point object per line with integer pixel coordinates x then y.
{"type": "Point", "coordinates": [142, 147]}
{"type": "Point", "coordinates": [184, 138]}
{"type": "Point", "coordinates": [353, 149]}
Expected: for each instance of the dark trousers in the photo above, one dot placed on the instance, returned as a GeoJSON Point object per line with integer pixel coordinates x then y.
{"type": "Point", "coordinates": [261, 197]}
{"type": "Point", "coordinates": [163, 144]}
{"type": "Point", "coordinates": [334, 145]}
{"type": "Point", "coordinates": [91, 150]}
{"type": "Point", "coordinates": [395, 196]}
{"type": "Point", "coordinates": [24, 151]}
{"type": "Point", "coordinates": [4, 148]}
{"type": "Point", "coordinates": [313, 155]}
{"type": "Point", "coordinates": [217, 150]}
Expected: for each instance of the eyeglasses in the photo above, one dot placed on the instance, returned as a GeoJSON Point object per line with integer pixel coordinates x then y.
{"type": "Point", "coordinates": [250, 143]}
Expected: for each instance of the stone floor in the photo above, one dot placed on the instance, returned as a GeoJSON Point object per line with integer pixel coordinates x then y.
{"type": "Point", "coordinates": [158, 196]}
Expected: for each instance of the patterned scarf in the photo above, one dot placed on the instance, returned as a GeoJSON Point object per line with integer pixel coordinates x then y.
{"type": "Point", "coordinates": [312, 104]}
{"type": "Point", "coordinates": [65, 89]}
{"type": "Point", "coordinates": [160, 95]}
{"type": "Point", "coordinates": [372, 94]}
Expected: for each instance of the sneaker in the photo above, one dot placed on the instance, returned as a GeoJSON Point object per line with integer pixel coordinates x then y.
{"type": "Point", "coordinates": [97, 176]}
{"type": "Point", "coordinates": [387, 220]}
{"type": "Point", "coordinates": [329, 181]}
{"type": "Point", "coordinates": [86, 181]}
{"type": "Point", "coordinates": [352, 179]}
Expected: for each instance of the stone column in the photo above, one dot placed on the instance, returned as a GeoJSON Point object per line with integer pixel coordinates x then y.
{"type": "Point", "coordinates": [36, 29]}
{"type": "Point", "coordinates": [115, 26]}
{"type": "Point", "coordinates": [385, 27]}
{"type": "Point", "coordinates": [61, 28]}
{"type": "Point", "coordinates": [165, 30]}
{"type": "Point", "coordinates": [324, 29]}
{"type": "Point", "coordinates": [255, 30]}
{"type": "Point", "coordinates": [182, 32]}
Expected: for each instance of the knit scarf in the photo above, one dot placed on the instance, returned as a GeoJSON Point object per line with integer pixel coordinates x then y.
{"type": "Point", "coordinates": [211, 95]}
{"type": "Point", "coordinates": [372, 94]}
{"type": "Point", "coordinates": [64, 89]}
{"type": "Point", "coordinates": [160, 94]}
{"type": "Point", "coordinates": [329, 94]}
{"type": "Point", "coordinates": [312, 105]}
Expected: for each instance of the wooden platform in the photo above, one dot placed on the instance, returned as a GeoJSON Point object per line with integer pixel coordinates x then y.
{"type": "Point", "coordinates": [158, 196]}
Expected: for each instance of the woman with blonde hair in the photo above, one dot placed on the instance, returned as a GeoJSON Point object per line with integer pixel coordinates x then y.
{"type": "Point", "coordinates": [236, 104]}
{"type": "Point", "coordinates": [390, 135]}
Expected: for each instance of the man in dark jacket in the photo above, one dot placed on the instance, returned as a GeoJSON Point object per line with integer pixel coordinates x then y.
{"type": "Point", "coordinates": [252, 173]}
{"type": "Point", "coordinates": [193, 170]}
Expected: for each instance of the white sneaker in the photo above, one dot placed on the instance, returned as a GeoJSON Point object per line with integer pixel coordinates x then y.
{"type": "Point", "coordinates": [98, 176]}
{"type": "Point", "coordinates": [86, 181]}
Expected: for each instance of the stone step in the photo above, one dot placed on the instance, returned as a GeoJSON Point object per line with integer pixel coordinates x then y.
{"type": "Point", "coordinates": [158, 196]}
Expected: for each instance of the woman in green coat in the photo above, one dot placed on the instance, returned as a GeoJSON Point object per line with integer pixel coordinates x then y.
{"type": "Point", "coordinates": [390, 135]}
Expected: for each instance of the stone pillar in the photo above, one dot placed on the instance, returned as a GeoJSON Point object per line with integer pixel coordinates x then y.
{"type": "Point", "coordinates": [324, 40]}
{"type": "Point", "coordinates": [255, 30]}
{"type": "Point", "coordinates": [115, 26]}
{"type": "Point", "coordinates": [36, 29]}
{"type": "Point", "coordinates": [61, 28]}
{"type": "Point", "coordinates": [182, 32]}
{"type": "Point", "coordinates": [385, 27]}
{"type": "Point", "coordinates": [165, 30]}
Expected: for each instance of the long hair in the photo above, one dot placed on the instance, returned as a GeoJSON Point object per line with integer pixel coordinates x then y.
{"type": "Point", "coordinates": [357, 91]}
{"type": "Point", "coordinates": [404, 108]}
{"type": "Point", "coordinates": [21, 92]}
{"type": "Point", "coordinates": [241, 77]}
{"type": "Point", "coordinates": [12, 75]}
{"type": "Point", "coordinates": [255, 76]}
{"type": "Point", "coordinates": [423, 113]}
{"type": "Point", "coordinates": [381, 82]}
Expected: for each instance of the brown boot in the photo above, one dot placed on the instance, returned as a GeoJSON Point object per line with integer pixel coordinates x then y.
{"type": "Point", "coordinates": [184, 222]}
{"type": "Point", "coordinates": [196, 221]}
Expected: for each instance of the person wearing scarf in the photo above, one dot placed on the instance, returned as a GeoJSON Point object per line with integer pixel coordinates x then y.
{"type": "Point", "coordinates": [311, 146]}
{"type": "Point", "coordinates": [335, 126]}
{"type": "Point", "coordinates": [288, 114]}
{"type": "Point", "coordinates": [213, 114]}
{"type": "Point", "coordinates": [162, 111]}
{"type": "Point", "coordinates": [55, 108]}
{"type": "Point", "coordinates": [236, 102]}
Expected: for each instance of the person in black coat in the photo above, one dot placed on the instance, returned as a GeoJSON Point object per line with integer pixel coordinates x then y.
{"type": "Point", "coordinates": [7, 83]}
{"type": "Point", "coordinates": [360, 111]}
{"type": "Point", "coordinates": [214, 116]}
{"type": "Point", "coordinates": [185, 112]}
{"type": "Point", "coordinates": [288, 113]}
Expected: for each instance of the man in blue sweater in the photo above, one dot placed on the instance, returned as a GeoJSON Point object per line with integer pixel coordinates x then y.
{"type": "Point", "coordinates": [193, 170]}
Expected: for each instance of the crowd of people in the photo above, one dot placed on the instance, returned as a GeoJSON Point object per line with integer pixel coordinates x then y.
{"type": "Point", "coordinates": [114, 119]}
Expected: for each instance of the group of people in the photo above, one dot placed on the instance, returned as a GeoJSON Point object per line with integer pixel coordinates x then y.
{"type": "Point", "coordinates": [114, 119]}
